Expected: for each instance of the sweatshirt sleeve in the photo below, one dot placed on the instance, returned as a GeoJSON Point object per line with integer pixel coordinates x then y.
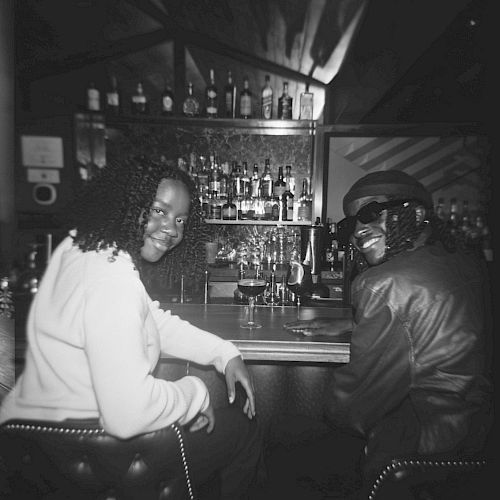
{"type": "Point", "coordinates": [183, 340]}
{"type": "Point", "coordinates": [130, 399]}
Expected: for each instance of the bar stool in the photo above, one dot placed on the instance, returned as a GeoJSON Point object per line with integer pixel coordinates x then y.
{"type": "Point", "coordinates": [422, 478]}
{"type": "Point", "coordinates": [79, 460]}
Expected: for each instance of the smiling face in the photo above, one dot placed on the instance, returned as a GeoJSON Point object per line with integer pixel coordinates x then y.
{"type": "Point", "coordinates": [167, 219]}
{"type": "Point", "coordinates": [370, 238]}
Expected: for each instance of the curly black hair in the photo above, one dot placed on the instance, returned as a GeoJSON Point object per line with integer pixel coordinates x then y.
{"type": "Point", "coordinates": [111, 211]}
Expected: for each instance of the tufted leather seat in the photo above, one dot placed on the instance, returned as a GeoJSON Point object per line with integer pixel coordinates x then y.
{"type": "Point", "coordinates": [434, 479]}
{"type": "Point", "coordinates": [79, 460]}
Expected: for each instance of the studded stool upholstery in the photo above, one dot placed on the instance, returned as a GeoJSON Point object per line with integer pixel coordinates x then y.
{"type": "Point", "coordinates": [428, 479]}
{"type": "Point", "coordinates": [79, 460]}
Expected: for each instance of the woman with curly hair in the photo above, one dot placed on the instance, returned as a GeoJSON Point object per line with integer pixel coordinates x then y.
{"type": "Point", "coordinates": [95, 335]}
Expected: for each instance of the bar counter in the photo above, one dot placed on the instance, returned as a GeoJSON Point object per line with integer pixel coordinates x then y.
{"type": "Point", "coordinates": [271, 342]}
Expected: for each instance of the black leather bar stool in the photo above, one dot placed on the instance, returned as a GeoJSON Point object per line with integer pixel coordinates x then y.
{"type": "Point", "coordinates": [422, 478]}
{"type": "Point", "coordinates": [79, 460]}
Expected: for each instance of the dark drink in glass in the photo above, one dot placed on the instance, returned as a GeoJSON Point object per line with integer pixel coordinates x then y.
{"type": "Point", "coordinates": [251, 287]}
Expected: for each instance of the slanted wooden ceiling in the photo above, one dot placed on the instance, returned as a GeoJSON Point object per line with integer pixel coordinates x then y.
{"type": "Point", "coordinates": [367, 61]}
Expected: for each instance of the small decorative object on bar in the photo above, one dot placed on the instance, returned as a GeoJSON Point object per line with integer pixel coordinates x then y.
{"type": "Point", "coordinates": [267, 99]}
{"type": "Point", "coordinates": [251, 287]}
{"type": "Point", "coordinates": [285, 104]}
{"type": "Point", "coordinates": [246, 100]}
{"type": "Point", "coordinates": [211, 97]}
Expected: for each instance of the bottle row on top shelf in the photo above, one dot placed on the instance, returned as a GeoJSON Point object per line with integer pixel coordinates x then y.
{"type": "Point", "coordinates": [225, 102]}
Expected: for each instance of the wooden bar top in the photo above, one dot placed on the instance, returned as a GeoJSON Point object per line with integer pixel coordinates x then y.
{"type": "Point", "coordinates": [271, 342]}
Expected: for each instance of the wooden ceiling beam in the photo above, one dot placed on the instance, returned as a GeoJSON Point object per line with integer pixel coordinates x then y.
{"type": "Point", "coordinates": [203, 41]}
{"type": "Point", "coordinates": [50, 66]}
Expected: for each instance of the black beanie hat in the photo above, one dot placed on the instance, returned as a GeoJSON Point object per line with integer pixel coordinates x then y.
{"type": "Point", "coordinates": [392, 183]}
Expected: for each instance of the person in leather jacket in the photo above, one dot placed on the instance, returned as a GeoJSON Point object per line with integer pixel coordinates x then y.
{"type": "Point", "coordinates": [418, 380]}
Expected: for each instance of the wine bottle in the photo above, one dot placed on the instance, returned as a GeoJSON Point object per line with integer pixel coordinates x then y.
{"type": "Point", "coordinates": [230, 97]}
{"type": "Point", "coordinates": [211, 97]}
{"type": "Point", "coordinates": [139, 101]}
{"type": "Point", "coordinates": [113, 101]}
{"type": "Point", "coordinates": [267, 99]}
{"type": "Point", "coordinates": [246, 100]}
{"type": "Point", "coordinates": [191, 105]}
{"type": "Point", "coordinates": [93, 98]}
{"type": "Point", "coordinates": [167, 101]}
{"type": "Point", "coordinates": [285, 104]}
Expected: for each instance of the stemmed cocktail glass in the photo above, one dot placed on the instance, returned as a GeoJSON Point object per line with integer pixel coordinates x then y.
{"type": "Point", "coordinates": [251, 287]}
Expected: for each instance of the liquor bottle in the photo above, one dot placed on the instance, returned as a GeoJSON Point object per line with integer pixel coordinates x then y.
{"type": "Point", "coordinates": [289, 179]}
{"type": "Point", "coordinates": [191, 105]}
{"type": "Point", "coordinates": [245, 181]}
{"type": "Point", "coordinates": [439, 209]}
{"type": "Point", "coordinates": [255, 181]}
{"type": "Point", "coordinates": [454, 217]}
{"type": "Point", "coordinates": [225, 181]}
{"type": "Point", "coordinates": [230, 97]}
{"type": "Point", "coordinates": [139, 101]}
{"type": "Point", "coordinates": [306, 104]}
{"type": "Point", "coordinates": [246, 100]}
{"type": "Point", "coordinates": [167, 101]}
{"type": "Point", "coordinates": [211, 97]}
{"type": "Point", "coordinates": [215, 208]}
{"type": "Point", "coordinates": [93, 98]}
{"type": "Point", "coordinates": [113, 101]}
{"type": "Point", "coordinates": [205, 204]}
{"type": "Point", "coordinates": [266, 182]}
{"type": "Point", "coordinates": [229, 210]}
{"type": "Point", "coordinates": [214, 175]}
{"type": "Point", "coordinates": [465, 222]}
{"type": "Point", "coordinates": [236, 178]}
{"type": "Point", "coordinates": [258, 205]}
{"type": "Point", "coordinates": [267, 99]}
{"type": "Point", "coordinates": [287, 205]}
{"type": "Point", "coordinates": [280, 185]}
{"type": "Point", "coordinates": [203, 174]}
{"type": "Point", "coordinates": [305, 206]}
{"type": "Point", "coordinates": [285, 104]}
{"type": "Point", "coordinates": [332, 256]}
{"type": "Point", "coordinates": [276, 207]}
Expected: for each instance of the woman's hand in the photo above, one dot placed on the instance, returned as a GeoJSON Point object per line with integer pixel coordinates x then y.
{"type": "Point", "coordinates": [204, 419]}
{"type": "Point", "coordinates": [236, 371]}
{"type": "Point", "coordinates": [320, 326]}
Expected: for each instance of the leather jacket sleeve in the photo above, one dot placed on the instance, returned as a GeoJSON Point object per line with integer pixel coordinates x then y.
{"type": "Point", "coordinates": [378, 376]}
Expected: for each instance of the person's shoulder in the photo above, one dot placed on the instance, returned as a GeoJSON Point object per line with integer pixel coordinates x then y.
{"type": "Point", "coordinates": [106, 263]}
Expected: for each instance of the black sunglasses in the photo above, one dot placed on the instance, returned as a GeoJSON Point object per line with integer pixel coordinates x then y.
{"type": "Point", "coordinates": [368, 213]}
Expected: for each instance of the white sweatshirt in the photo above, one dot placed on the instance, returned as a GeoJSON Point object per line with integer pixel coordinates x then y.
{"type": "Point", "coordinates": [94, 338]}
